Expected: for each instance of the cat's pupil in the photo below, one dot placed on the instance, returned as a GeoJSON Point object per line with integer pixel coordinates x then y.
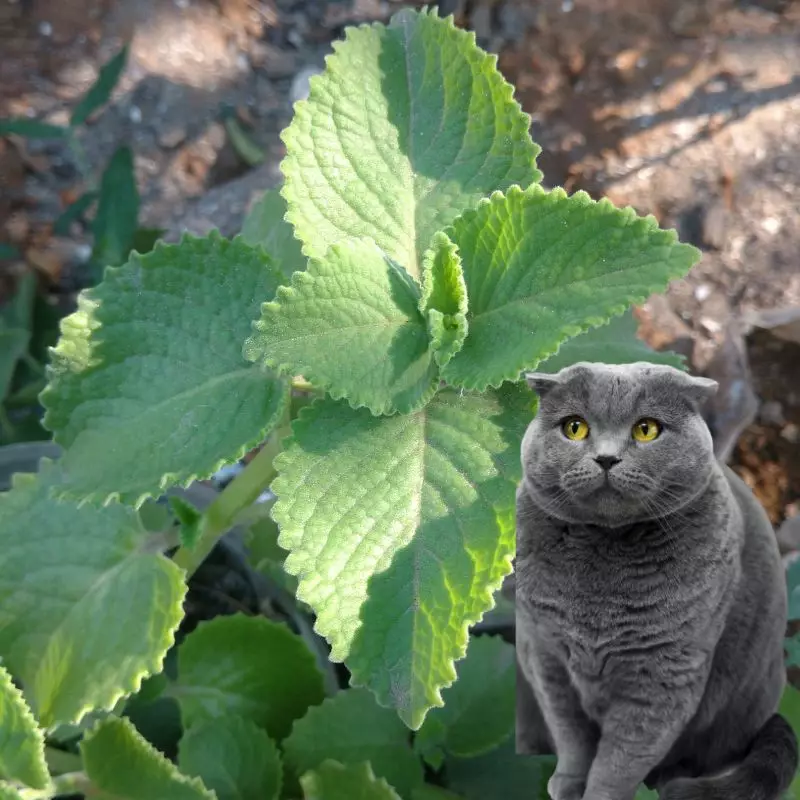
{"type": "Point", "coordinates": [644, 428]}
{"type": "Point", "coordinates": [575, 425]}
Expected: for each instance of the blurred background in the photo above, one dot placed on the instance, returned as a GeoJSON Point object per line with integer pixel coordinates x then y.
{"type": "Point", "coordinates": [684, 109]}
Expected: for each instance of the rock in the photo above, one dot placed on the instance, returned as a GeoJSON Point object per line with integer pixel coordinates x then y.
{"type": "Point", "coordinates": [273, 61]}
{"type": "Point", "coordinates": [172, 137]}
{"type": "Point", "coordinates": [771, 413]}
{"type": "Point", "coordinates": [735, 404]}
{"type": "Point", "coordinates": [715, 225]}
{"type": "Point", "coordinates": [783, 323]}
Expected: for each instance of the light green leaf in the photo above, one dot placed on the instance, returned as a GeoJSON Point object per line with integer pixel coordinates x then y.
{"type": "Point", "coordinates": [643, 793]}
{"type": "Point", "coordinates": [542, 266]}
{"type": "Point", "coordinates": [123, 766]}
{"type": "Point", "coordinates": [86, 608]}
{"type": "Point", "coordinates": [234, 758]}
{"type": "Point", "coordinates": [22, 126]}
{"type": "Point", "coordinates": [190, 520]}
{"type": "Point", "coordinates": [500, 773]}
{"type": "Point", "coordinates": [444, 298]}
{"type": "Point", "coordinates": [351, 728]}
{"type": "Point", "coordinates": [409, 125]}
{"type": "Point", "coordinates": [8, 792]}
{"type": "Point", "coordinates": [21, 740]}
{"type": "Point", "coordinates": [615, 342]}
{"type": "Point", "coordinates": [400, 528]}
{"type": "Point", "coordinates": [265, 225]}
{"type": "Point", "coordinates": [267, 675]}
{"type": "Point", "coordinates": [351, 324]}
{"type": "Point", "coordinates": [334, 781]}
{"type": "Point", "coordinates": [115, 222]}
{"type": "Point", "coordinates": [151, 362]}
{"type": "Point", "coordinates": [100, 91]}
{"type": "Point", "coordinates": [478, 712]}
{"type": "Point", "coordinates": [13, 346]}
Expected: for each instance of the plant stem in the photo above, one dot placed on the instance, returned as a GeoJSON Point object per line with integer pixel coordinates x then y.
{"type": "Point", "coordinates": [238, 495]}
{"type": "Point", "coordinates": [61, 761]}
{"type": "Point", "coordinates": [300, 384]}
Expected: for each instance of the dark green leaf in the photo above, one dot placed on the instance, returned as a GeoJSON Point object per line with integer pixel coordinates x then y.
{"type": "Point", "coordinates": [190, 519]}
{"type": "Point", "coordinates": [31, 128]}
{"type": "Point", "coordinates": [114, 225]}
{"type": "Point", "coordinates": [13, 344]}
{"type": "Point", "coordinates": [101, 89]}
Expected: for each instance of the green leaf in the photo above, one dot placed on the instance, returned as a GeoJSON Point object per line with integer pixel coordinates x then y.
{"type": "Point", "coordinates": [8, 792]}
{"type": "Point", "coordinates": [18, 312]}
{"type": "Point", "coordinates": [21, 740]}
{"type": "Point", "coordinates": [400, 528]}
{"type": "Point", "coordinates": [100, 91]}
{"type": "Point", "coordinates": [265, 225]}
{"type": "Point", "coordinates": [73, 212]}
{"type": "Point", "coordinates": [190, 519]}
{"type": "Point", "coordinates": [500, 773]}
{"type": "Point", "coordinates": [22, 126]}
{"type": "Point", "coordinates": [351, 324]}
{"type": "Point", "coordinates": [115, 222]}
{"type": "Point", "coordinates": [643, 793]}
{"type": "Point", "coordinates": [793, 588]}
{"type": "Point", "coordinates": [13, 346]}
{"type": "Point", "coordinates": [234, 758]}
{"type": "Point", "coordinates": [334, 781]}
{"type": "Point", "coordinates": [541, 267]}
{"type": "Point", "coordinates": [615, 342]}
{"type": "Point", "coordinates": [409, 125]}
{"type": "Point", "coordinates": [113, 616]}
{"type": "Point", "coordinates": [151, 363]}
{"type": "Point", "coordinates": [351, 728]}
{"type": "Point", "coordinates": [430, 792]}
{"type": "Point", "coordinates": [267, 676]}
{"type": "Point", "coordinates": [790, 710]}
{"type": "Point", "coordinates": [245, 147]}
{"type": "Point", "coordinates": [792, 646]}
{"type": "Point", "coordinates": [444, 298]}
{"type": "Point", "coordinates": [478, 712]}
{"type": "Point", "coordinates": [123, 766]}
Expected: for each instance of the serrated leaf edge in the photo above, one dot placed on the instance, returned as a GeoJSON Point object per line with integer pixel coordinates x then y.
{"type": "Point", "coordinates": [356, 679]}
{"type": "Point", "coordinates": [364, 766]}
{"type": "Point", "coordinates": [566, 332]}
{"type": "Point", "coordinates": [253, 351]}
{"type": "Point", "coordinates": [174, 772]}
{"type": "Point", "coordinates": [87, 301]}
{"type": "Point", "coordinates": [486, 66]}
{"type": "Point", "coordinates": [24, 711]}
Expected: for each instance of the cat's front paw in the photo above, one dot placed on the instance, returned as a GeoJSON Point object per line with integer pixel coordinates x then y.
{"type": "Point", "coordinates": [566, 787]}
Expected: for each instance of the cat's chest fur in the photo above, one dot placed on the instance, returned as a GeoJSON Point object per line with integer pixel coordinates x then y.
{"type": "Point", "coordinates": [611, 605]}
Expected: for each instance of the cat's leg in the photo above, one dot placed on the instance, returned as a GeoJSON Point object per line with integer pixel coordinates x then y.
{"type": "Point", "coordinates": [573, 734]}
{"type": "Point", "coordinates": [635, 739]}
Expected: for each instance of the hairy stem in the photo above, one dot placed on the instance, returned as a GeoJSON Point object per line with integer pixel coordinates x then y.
{"type": "Point", "coordinates": [237, 496]}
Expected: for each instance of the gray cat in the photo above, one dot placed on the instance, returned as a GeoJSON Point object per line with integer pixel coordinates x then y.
{"type": "Point", "coordinates": [651, 599]}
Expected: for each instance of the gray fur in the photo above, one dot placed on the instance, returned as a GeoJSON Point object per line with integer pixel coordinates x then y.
{"type": "Point", "coordinates": [650, 611]}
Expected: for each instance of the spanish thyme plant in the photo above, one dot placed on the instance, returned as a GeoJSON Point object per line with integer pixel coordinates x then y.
{"type": "Point", "coordinates": [409, 271]}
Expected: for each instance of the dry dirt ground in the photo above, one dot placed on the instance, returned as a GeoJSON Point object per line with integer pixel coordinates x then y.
{"type": "Point", "coordinates": [686, 110]}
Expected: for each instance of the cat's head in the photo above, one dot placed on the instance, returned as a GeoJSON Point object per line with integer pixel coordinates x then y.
{"type": "Point", "coordinates": [613, 444]}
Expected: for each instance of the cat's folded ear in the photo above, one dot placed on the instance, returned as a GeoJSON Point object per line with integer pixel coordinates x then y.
{"type": "Point", "coordinates": [541, 382]}
{"type": "Point", "coordinates": [697, 388]}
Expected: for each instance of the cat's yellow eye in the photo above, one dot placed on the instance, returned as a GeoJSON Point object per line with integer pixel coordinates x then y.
{"type": "Point", "coordinates": [575, 428]}
{"type": "Point", "coordinates": [645, 430]}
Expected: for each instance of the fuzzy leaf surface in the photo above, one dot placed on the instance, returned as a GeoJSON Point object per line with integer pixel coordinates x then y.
{"type": "Point", "coordinates": [478, 711]}
{"type": "Point", "coordinates": [123, 766]}
{"type": "Point", "coordinates": [267, 674]}
{"type": "Point", "coordinates": [409, 125]}
{"type": "Point", "coordinates": [152, 361]}
{"type": "Point", "coordinates": [265, 225]}
{"type": "Point", "coordinates": [21, 739]}
{"type": "Point", "coordinates": [351, 727]}
{"type": "Point", "coordinates": [351, 324]}
{"type": "Point", "coordinates": [541, 267]}
{"type": "Point", "coordinates": [399, 529]}
{"type": "Point", "coordinates": [334, 781]}
{"type": "Point", "coordinates": [616, 342]}
{"type": "Point", "coordinates": [86, 608]}
{"type": "Point", "coordinates": [234, 758]}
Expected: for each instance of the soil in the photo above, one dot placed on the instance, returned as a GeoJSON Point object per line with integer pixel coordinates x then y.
{"type": "Point", "coordinates": [688, 111]}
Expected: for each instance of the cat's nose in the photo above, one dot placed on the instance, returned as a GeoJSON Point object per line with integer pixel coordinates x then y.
{"type": "Point", "coordinates": [606, 462]}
